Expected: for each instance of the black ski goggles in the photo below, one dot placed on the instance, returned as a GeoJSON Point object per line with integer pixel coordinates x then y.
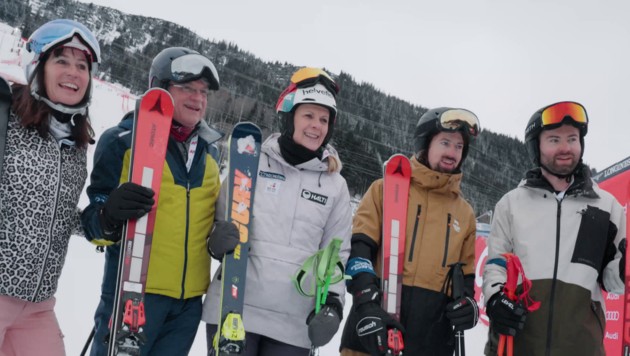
{"type": "Point", "coordinates": [191, 67]}
{"type": "Point", "coordinates": [456, 119]}
{"type": "Point", "coordinates": [556, 113]}
{"type": "Point", "coordinates": [308, 77]}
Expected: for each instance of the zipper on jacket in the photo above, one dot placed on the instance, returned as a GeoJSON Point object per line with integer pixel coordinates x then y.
{"type": "Point", "coordinates": [448, 235]}
{"type": "Point", "coordinates": [415, 233]}
{"type": "Point", "coordinates": [52, 225]}
{"type": "Point", "coordinates": [186, 238]}
{"type": "Point", "coordinates": [552, 295]}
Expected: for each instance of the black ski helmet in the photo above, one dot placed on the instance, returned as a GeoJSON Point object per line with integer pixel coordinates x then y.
{"type": "Point", "coordinates": [181, 65]}
{"type": "Point", "coordinates": [446, 119]}
{"type": "Point", "coordinates": [308, 86]}
{"type": "Point", "coordinates": [563, 115]}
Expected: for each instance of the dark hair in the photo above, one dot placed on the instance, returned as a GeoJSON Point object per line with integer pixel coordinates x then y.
{"type": "Point", "coordinates": [34, 113]}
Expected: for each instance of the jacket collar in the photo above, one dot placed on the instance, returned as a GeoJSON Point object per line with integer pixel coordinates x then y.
{"type": "Point", "coordinates": [427, 178]}
{"type": "Point", "coordinates": [582, 182]}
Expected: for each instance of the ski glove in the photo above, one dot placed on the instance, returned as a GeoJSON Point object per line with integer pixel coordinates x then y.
{"type": "Point", "coordinates": [324, 325]}
{"type": "Point", "coordinates": [373, 321]}
{"type": "Point", "coordinates": [128, 201]}
{"type": "Point", "coordinates": [507, 316]}
{"type": "Point", "coordinates": [463, 313]}
{"type": "Point", "coordinates": [223, 239]}
{"type": "Point", "coordinates": [622, 262]}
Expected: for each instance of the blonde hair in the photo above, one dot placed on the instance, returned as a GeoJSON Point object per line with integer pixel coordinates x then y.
{"type": "Point", "coordinates": [333, 164]}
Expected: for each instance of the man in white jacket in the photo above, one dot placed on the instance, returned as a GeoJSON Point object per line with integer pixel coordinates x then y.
{"type": "Point", "coordinates": [570, 237]}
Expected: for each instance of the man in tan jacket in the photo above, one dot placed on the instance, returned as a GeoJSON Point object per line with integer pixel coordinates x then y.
{"type": "Point", "coordinates": [441, 230]}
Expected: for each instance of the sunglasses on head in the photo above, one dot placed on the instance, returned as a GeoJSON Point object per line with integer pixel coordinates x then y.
{"type": "Point", "coordinates": [556, 113]}
{"type": "Point", "coordinates": [306, 77]}
{"type": "Point", "coordinates": [455, 119]}
{"type": "Point", "coordinates": [193, 66]}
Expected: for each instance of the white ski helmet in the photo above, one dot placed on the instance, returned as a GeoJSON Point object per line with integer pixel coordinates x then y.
{"type": "Point", "coordinates": [51, 35]}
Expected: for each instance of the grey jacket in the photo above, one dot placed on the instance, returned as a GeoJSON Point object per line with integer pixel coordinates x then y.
{"type": "Point", "coordinates": [39, 192]}
{"type": "Point", "coordinates": [568, 249]}
{"type": "Point", "coordinates": [289, 225]}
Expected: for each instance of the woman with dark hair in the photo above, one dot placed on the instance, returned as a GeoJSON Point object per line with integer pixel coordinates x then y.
{"type": "Point", "coordinates": [44, 170]}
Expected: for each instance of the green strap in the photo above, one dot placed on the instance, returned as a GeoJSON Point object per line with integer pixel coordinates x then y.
{"type": "Point", "coordinates": [321, 270]}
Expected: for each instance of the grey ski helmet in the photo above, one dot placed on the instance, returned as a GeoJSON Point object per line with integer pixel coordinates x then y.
{"type": "Point", "coordinates": [181, 65]}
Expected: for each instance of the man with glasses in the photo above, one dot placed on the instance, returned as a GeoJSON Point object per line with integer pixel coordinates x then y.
{"type": "Point", "coordinates": [441, 231]}
{"type": "Point", "coordinates": [179, 267]}
{"type": "Point", "coordinates": [570, 238]}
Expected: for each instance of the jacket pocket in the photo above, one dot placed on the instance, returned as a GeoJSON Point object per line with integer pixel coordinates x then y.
{"type": "Point", "coordinates": [446, 239]}
{"type": "Point", "coordinates": [592, 237]}
{"type": "Point", "coordinates": [415, 233]}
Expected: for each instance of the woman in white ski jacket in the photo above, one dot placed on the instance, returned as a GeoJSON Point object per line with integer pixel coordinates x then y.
{"type": "Point", "coordinates": [301, 204]}
{"type": "Point", "coordinates": [41, 177]}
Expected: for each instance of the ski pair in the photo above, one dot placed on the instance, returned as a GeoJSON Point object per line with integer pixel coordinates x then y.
{"type": "Point", "coordinates": [397, 177]}
{"type": "Point", "coordinates": [244, 152]}
{"type": "Point", "coordinates": [152, 123]}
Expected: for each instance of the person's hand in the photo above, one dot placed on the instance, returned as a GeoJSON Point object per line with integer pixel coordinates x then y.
{"type": "Point", "coordinates": [223, 239]}
{"type": "Point", "coordinates": [128, 201]}
{"type": "Point", "coordinates": [324, 325]}
{"type": "Point", "coordinates": [463, 313]}
{"type": "Point", "coordinates": [507, 316]}
{"type": "Point", "coordinates": [372, 327]}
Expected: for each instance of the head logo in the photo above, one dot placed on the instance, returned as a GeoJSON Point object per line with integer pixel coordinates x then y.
{"type": "Point", "coordinates": [246, 145]}
{"type": "Point", "coordinates": [314, 197]}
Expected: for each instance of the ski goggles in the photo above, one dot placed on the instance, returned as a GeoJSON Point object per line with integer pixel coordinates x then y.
{"type": "Point", "coordinates": [191, 67]}
{"type": "Point", "coordinates": [456, 119]}
{"type": "Point", "coordinates": [308, 76]}
{"type": "Point", "coordinates": [57, 32]}
{"type": "Point", "coordinates": [556, 113]}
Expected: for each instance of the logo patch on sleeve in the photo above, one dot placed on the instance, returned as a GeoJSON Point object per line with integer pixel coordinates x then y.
{"type": "Point", "coordinates": [314, 197]}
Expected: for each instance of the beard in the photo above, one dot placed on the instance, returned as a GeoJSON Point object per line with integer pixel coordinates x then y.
{"type": "Point", "coordinates": [559, 169]}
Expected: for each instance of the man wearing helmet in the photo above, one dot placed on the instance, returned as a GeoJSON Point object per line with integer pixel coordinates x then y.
{"type": "Point", "coordinates": [570, 238]}
{"type": "Point", "coordinates": [302, 203]}
{"type": "Point", "coordinates": [441, 230]}
{"type": "Point", "coordinates": [179, 266]}
{"type": "Point", "coordinates": [42, 174]}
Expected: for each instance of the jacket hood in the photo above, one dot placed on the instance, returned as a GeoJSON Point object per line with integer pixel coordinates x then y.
{"type": "Point", "coordinates": [427, 178]}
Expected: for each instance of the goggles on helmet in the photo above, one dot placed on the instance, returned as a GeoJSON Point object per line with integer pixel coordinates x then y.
{"type": "Point", "coordinates": [308, 77]}
{"type": "Point", "coordinates": [556, 113]}
{"type": "Point", "coordinates": [455, 119]}
{"type": "Point", "coordinates": [57, 32]}
{"type": "Point", "coordinates": [191, 67]}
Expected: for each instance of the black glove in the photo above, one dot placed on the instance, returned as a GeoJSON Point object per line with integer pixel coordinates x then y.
{"type": "Point", "coordinates": [373, 321]}
{"type": "Point", "coordinates": [223, 239]}
{"type": "Point", "coordinates": [463, 313]}
{"type": "Point", "coordinates": [507, 316]}
{"type": "Point", "coordinates": [324, 325]}
{"type": "Point", "coordinates": [128, 201]}
{"type": "Point", "coordinates": [622, 262]}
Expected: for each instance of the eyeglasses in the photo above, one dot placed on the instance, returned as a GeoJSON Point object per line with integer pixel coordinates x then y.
{"type": "Point", "coordinates": [188, 90]}
{"type": "Point", "coordinates": [194, 66]}
{"type": "Point", "coordinates": [454, 119]}
{"type": "Point", "coordinates": [308, 76]}
{"type": "Point", "coordinates": [556, 113]}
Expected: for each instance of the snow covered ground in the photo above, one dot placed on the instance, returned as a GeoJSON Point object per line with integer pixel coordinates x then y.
{"type": "Point", "coordinates": [79, 287]}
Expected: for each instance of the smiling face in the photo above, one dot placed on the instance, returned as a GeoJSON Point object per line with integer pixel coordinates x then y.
{"type": "Point", "coordinates": [560, 149]}
{"type": "Point", "coordinates": [311, 125]}
{"type": "Point", "coordinates": [445, 151]}
{"type": "Point", "coordinates": [191, 100]}
{"type": "Point", "coordinates": [66, 76]}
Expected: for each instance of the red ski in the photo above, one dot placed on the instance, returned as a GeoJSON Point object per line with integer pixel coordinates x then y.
{"type": "Point", "coordinates": [392, 257]}
{"type": "Point", "coordinates": [151, 128]}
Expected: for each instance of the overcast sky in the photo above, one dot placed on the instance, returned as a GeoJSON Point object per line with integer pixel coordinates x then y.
{"type": "Point", "coordinates": [501, 59]}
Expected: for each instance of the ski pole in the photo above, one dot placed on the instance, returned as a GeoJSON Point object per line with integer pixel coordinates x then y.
{"type": "Point", "coordinates": [88, 342]}
{"type": "Point", "coordinates": [458, 292]}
